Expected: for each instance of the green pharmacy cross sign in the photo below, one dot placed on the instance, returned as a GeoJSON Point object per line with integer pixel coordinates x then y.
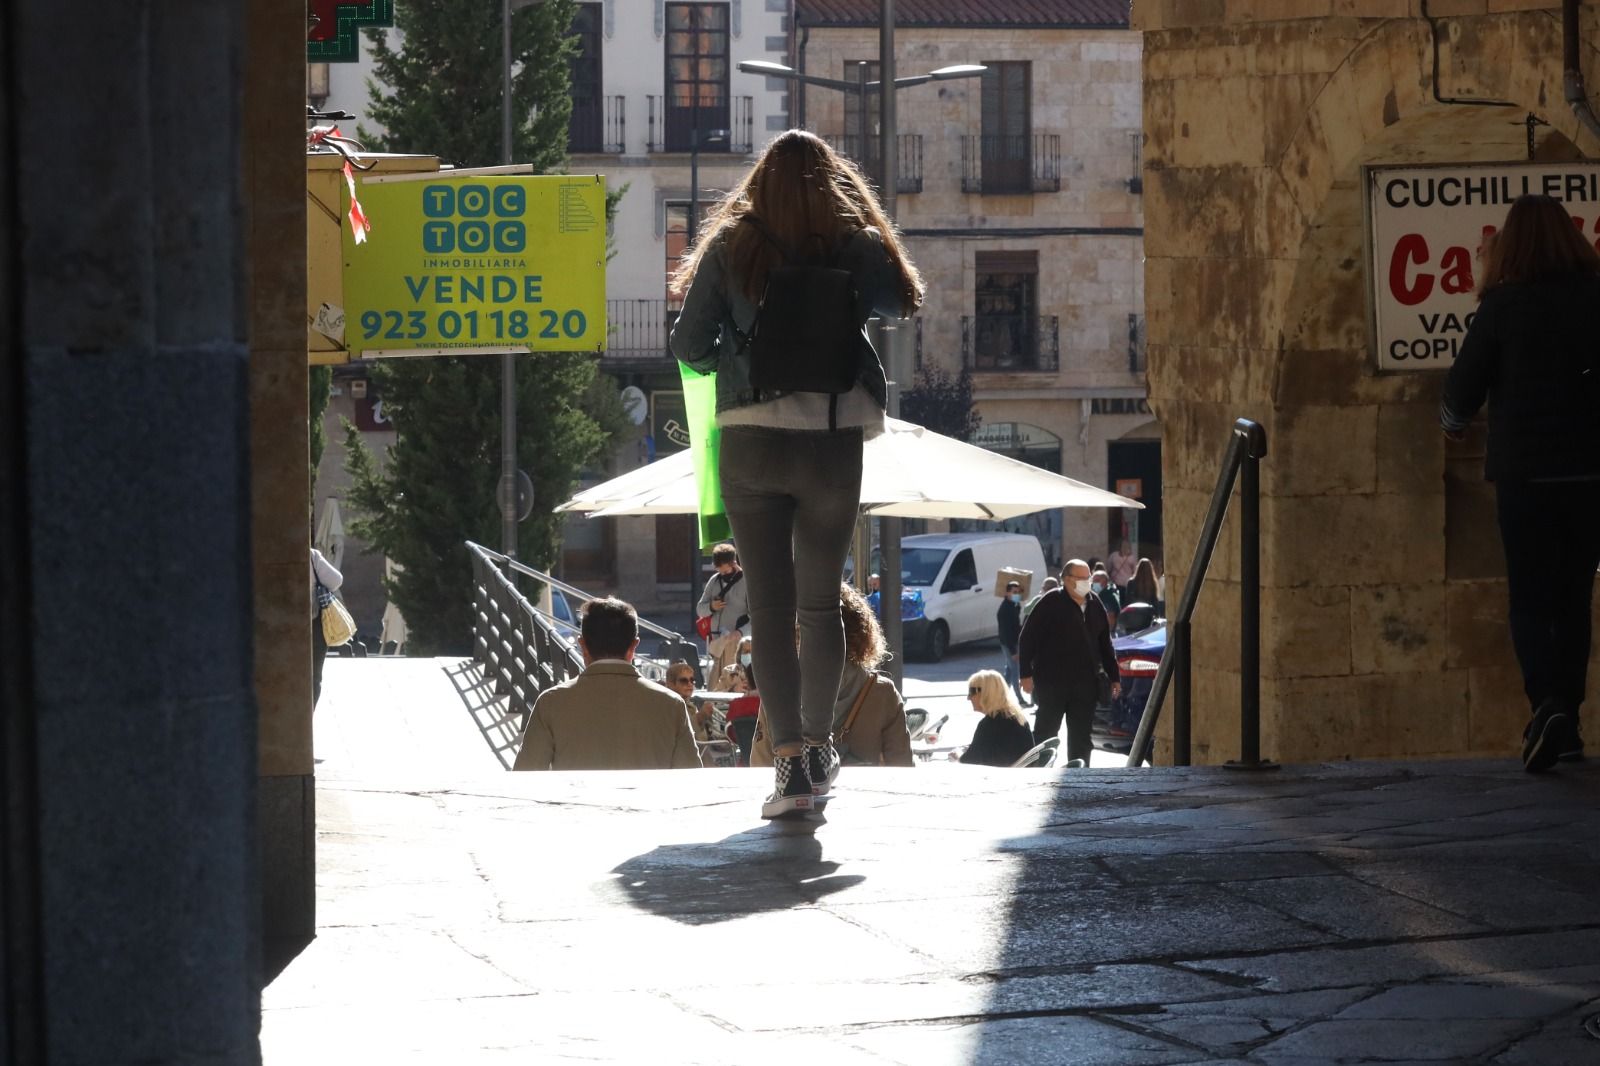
{"type": "Point", "coordinates": [334, 32]}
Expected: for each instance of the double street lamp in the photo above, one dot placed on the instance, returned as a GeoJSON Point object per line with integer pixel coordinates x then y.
{"type": "Point", "coordinates": [861, 88]}
{"type": "Point", "coordinates": [887, 179]}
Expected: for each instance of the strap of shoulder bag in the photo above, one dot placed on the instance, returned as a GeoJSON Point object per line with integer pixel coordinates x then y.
{"type": "Point", "coordinates": [855, 708]}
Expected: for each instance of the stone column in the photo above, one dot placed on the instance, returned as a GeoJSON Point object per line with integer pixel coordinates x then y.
{"type": "Point", "coordinates": [280, 489]}
{"type": "Point", "coordinates": [120, 216]}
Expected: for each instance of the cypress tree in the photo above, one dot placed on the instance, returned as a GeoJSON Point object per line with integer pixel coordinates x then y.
{"type": "Point", "coordinates": [439, 92]}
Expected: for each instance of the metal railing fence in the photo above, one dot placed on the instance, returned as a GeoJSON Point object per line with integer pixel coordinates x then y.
{"type": "Point", "coordinates": [1242, 463]}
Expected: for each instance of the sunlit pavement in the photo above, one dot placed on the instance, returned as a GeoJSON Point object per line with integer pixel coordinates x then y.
{"type": "Point", "coordinates": [1371, 912]}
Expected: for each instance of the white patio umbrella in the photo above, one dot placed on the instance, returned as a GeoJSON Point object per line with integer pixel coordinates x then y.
{"type": "Point", "coordinates": [907, 471]}
{"type": "Point", "coordinates": [330, 533]}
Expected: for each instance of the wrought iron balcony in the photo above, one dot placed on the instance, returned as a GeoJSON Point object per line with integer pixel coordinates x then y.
{"type": "Point", "coordinates": [671, 126]}
{"type": "Point", "coordinates": [1017, 344]}
{"type": "Point", "coordinates": [637, 331]}
{"type": "Point", "coordinates": [1011, 165]}
{"type": "Point", "coordinates": [599, 126]}
{"type": "Point", "coordinates": [908, 166]}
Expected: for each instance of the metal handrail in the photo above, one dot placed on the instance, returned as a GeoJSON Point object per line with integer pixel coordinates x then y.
{"type": "Point", "coordinates": [557, 583]}
{"type": "Point", "coordinates": [522, 653]}
{"type": "Point", "coordinates": [1242, 462]}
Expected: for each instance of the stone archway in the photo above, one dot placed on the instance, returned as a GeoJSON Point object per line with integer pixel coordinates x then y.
{"type": "Point", "coordinates": [1383, 633]}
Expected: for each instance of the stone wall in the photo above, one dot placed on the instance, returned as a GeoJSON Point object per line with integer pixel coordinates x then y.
{"type": "Point", "coordinates": [1088, 235]}
{"type": "Point", "coordinates": [1384, 599]}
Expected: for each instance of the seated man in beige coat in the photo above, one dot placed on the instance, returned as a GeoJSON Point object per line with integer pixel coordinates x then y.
{"type": "Point", "coordinates": [608, 717]}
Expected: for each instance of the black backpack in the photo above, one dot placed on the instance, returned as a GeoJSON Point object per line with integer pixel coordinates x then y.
{"type": "Point", "coordinates": [806, 337]}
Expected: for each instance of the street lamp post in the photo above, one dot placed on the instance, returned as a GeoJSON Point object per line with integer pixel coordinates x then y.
{"type": "Point", "coordinates": [887, 178]}
{"type": "Point", "coordinates": [692, 232]}
{"type": "Point", "coordinates": [508, 360]}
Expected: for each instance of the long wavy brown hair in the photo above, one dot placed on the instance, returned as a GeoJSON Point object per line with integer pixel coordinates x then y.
{"type": "Point", "coordinates": [863, 638]}
{"type": "Point", "coordinates": [804, 192]}
{"type": "Point", "coordinates": [1537, 243]}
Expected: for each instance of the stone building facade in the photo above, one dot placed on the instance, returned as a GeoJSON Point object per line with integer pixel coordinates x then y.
{"type": "Point", "coordinates": [1384, 598]}
{"type": "Point", "coordinates": [1019, 195]}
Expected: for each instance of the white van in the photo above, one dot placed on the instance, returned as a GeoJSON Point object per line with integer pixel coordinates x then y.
{"type": "Point", "coordinates": [953, 574]}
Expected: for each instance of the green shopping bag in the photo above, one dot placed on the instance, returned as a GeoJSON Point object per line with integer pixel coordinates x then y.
{"type": "Point", "coordinates": [705, 444]}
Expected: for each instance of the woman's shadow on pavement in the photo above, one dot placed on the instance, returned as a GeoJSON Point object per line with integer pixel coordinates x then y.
{"type": "Point", "coordinates": [776, 867]}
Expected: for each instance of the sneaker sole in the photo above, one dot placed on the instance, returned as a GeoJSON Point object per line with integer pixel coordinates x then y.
{"type": "Point", "coordinates": [787, 807]}
{"type": "Point", "coordinates": [1543, 749]}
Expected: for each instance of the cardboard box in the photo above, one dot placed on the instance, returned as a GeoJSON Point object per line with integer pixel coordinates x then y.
{"type": "Point", "coordinates": [1007, 574]}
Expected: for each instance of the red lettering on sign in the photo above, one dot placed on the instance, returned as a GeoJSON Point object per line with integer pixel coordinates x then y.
{"type": "Point", "coordinates": [1408, 250]}
{"type": "Point", "coordinates": [1457, 268]}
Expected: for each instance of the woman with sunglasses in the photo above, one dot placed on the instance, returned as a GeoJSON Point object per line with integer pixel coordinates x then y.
{"type": "Point", "coordinates": [680, 679]}
{"type": "Point", "coordinates": [1003, 736]}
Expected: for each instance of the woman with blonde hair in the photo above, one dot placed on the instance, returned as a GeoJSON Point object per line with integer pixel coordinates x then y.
{"type": "Point", "coordinates": [1531, 353]}
{"type": "Point", "coordinates": [793, 419]}
{"type": "Point", "coordinates": [1003, 736]}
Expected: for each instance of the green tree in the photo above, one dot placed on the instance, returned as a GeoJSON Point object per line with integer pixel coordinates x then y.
{"type": "Point", "coordinates": [942, 403]}
{"type": "Point", "coordinates": [439, 93]}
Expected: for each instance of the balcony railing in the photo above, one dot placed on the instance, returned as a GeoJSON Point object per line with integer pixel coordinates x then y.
{"type": "Point", "coordinates": [599, 126]}
{"type": "Point", "coordinates": [1136, 364]}
{"type": "Point", "coordinates": [1009, 165]}
{"type": "Point", "coordinates": [671, 128]}
{"type": "Point", "coordinates": [638, 330]}
{"type": "Point", "coordinates": [1011, 343]}
{"type": "Point", "coordinates": [908, 168]}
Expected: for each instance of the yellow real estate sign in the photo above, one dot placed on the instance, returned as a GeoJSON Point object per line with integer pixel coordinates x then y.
{"type": "Point", "coordinates": [477, 264]}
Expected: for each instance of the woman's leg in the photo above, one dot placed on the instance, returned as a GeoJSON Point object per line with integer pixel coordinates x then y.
{"type": "Point", "coordinates": [827, 490]}
{"type": "Point", "coordinates": [753, 467]}
{"type": "Point", "coordinates": [1526, 537]}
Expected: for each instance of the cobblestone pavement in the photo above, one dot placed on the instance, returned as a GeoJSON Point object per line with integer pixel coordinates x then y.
{"type": "Point", "coordinates": [1361, 912]}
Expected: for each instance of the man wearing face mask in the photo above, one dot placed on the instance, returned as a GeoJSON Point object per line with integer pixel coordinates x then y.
{"type": "Point", "coordinates": [1063, 653]}
{"type": "Point", "coordinates": [1009, 617]}
{"type": "Point", "coordinates": [1100, 584]}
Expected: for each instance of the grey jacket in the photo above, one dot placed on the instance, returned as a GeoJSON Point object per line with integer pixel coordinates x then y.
{"type": "Point", "coordinates": [735, 613]}
{"type": "Point", "coordinates": [717, 316]}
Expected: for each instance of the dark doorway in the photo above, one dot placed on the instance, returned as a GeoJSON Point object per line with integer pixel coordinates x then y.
{"type": "Point", "coordinates": [1136, 460]}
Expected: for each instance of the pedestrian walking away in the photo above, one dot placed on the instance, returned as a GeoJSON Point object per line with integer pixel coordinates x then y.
{"type": "Point", "coordinates": [1065, 655]}
{"type": "Point", "coordinates": [869, 717]}
{"type": "Point", "coordinates": [799, 389]}
{"type": "Point", "coordinates": [322, 573]}
{"type": "Point", "coordinates": [725, 604]}
{"type": "Point", "coordinates": [1530, 353]}
{"type": "Point", "coordinates": [1009, 619]}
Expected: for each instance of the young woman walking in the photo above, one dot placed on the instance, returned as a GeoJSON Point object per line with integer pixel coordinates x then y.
{"type": "Point", "coordinates": [790, 460]}
{"type": "Point", "coordinates": [1531, 353]}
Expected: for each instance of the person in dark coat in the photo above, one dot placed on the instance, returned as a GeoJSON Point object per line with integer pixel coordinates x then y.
{"type": "Point", "coordinates": [1009, 618]}
{"type": "Point", "coordinates": [1064, 650]}
{"type": "Point", "coordinates": [1003, 736]}
{"type": "Point", "coordinates": [1531, 353]}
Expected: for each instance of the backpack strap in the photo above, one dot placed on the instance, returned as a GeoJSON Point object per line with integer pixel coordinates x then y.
{"type": "Point", "coordinates": [789, 257]}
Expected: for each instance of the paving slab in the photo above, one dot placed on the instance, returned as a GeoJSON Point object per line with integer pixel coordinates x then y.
{"type": "Point", "coordinates": [1357, 912]}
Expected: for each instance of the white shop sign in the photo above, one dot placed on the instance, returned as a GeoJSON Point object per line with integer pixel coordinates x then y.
{"type": "Point", "coordinates": [1424, 228]}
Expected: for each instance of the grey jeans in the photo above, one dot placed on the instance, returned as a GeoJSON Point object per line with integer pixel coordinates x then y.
{"type": "Point", "coordinates": [792, 498]}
